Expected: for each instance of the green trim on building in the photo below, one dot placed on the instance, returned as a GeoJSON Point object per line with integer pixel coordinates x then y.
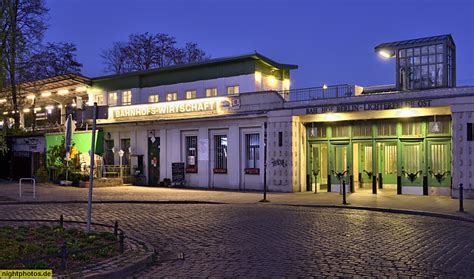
{"type": "Point", "coordinates": [210, 69]}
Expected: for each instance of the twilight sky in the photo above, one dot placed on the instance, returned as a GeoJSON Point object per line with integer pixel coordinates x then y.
{"type": "Point", "coordinates": [332, 41]}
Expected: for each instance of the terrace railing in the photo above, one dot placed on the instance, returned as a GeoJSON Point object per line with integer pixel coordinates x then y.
{"type": "Point", "coordinates": [316, 93]}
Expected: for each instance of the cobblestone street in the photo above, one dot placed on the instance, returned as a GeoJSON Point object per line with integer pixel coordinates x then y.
{"type": "Point", "coordinates": [268, 240]}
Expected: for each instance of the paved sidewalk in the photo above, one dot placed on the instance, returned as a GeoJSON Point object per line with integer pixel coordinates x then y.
{"type": "Point", "coordinates": [384, 199]}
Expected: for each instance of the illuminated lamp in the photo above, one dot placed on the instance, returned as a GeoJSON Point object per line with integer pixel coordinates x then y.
{"type": "Point", "coordinates": [63, 91]}
{"type": "Point", "coordinates": [325, 86]}
{"type": "Point", "coordinates": [329, 117]}
{"type": "Point", "coordinates": [26, 110]}
{"type": "Point", "coordinates": [3, 101]}
{"type": "Point", "coordinates": [81, 89]}
{"type": "Point", "coordinates": [36, 109]}
{"type": "Point", "coordinates": [286, 84]}
{"type": "Point", "coordinates": [45, 94]}
{"type": "Point", "coordinates": [258, 76]}
{"type": "Point", "coordinates": [406, 112]}
{"type": "Point", "coordinates": [31, 97]}
{"type": "Point", "coordinates": [386, 53]}
{"type": "Point", "coordinates": [49, 108]}
{"type": "Point", "coordinates": [272, 81]}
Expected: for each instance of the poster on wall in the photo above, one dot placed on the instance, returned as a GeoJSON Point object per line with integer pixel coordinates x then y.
{"type": "Point", "coordinates": [203, 150]}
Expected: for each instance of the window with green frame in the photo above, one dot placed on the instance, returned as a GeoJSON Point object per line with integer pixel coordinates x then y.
{"type": "Point", "coordinates": [386, 128]}
{"type": "Point", "coordinates": [411, 127]}
{"type": "Point", "coordinates": [362, 129]}
{"type": "Point", "coordinates": [439, 125]}
{"type": "Point", "coordinates": [340, 131]}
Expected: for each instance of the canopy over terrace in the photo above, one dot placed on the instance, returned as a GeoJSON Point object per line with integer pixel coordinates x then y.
{"type": "Point", "coordinates": [46, 99]}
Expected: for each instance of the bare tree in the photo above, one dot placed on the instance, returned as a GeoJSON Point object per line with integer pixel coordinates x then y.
{"type": "Point", "coordinates": [148, 51]}
{"type": "Point", "coordinates": [24, 27]}
{"type": "Point", "coordinates": [116, 58]}
{"type": "Point", "coordinates": [53, 59]}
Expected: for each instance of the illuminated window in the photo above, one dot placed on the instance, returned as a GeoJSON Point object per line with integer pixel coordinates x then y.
{"type": "Point", "coordinates": [173, 96]}
{"type": "Point", "coordinates": [191, 154]}
{"type": "Point", "coordinates": [252, 143]}
{"type": "Point", "coordinates": [362, 130]}
{"type": "Point", "coordinates": [211, 92]}
{"type": "Point", "coordinates": [190, 94]}
{"type": "Point", "coordinates": [99, 99]}
{"type": "Point", "coordinates": [233, 89]}
{"type": "Point", "coordinates": [126, 98]}
{"type": "Point", "coordinates": [220, 152]}
{"type": "Point", "coordinates": [154, 98]}
{"type": "Point", "coordinates": [340, 131]}
{"type": "Point", "coordinates": [112, 100]}
{"type": "Point", "coordinates": [410, 128]}
{"type": "Point", "coordinates": [386, 128]}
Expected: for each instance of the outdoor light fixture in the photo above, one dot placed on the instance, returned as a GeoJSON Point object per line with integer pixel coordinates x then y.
{"type": "Point", "coordinates": [46, 94]}
{"type": "Point", "coordinates": [331, 117]}
{"type": "Point", "coordinates": [63, 92]}
{"type": "Point", "coordinates": [258, 76]}
{"type": "Point", "coordinates": [5, 112]}
{"type": "Point", "coordinates": [325, 86]}
{"type": "Point", "coordinates": [36, 109]}
{"type": "Point", "coordinates": [406, 112]}
{"type": "Point", "coordinates": [31, 97]}
{"type": "Point", "coordinates": [49, 108]}
{"type": "Point", "coordinates": [272, 81]}
{"type": "Point", "coordinates": [26, 110]}
{"type": "Point", "coordinates": [387, 53]}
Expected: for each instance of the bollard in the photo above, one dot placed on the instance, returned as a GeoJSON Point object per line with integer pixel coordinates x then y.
{"type": "Point", "coordinates": [344, 192]}
{"type": "Point", "coordinates": [115, 228]}
{"type": "Point", "coordinates": [461, 198]}
{"type": "Point", "coordinates": [61, 221]}
{"type": "Point", "coordinates": [121, 236]}
{"type": "Point", "coordinates": [64, 256]}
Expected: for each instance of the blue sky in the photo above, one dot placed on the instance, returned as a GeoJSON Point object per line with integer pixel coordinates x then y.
{"type": "Point", "coordinates": [331, 41]}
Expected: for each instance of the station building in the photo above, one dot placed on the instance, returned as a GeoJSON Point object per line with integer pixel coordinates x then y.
{"type": "Point", "coordinates": [412, 137]}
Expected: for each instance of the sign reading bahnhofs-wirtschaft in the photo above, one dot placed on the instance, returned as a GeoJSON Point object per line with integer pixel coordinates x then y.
{"type": "Point", "coordinates": [175, 109]}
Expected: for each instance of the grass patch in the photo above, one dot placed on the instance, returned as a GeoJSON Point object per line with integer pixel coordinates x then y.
{"type": "Point", "coordinates": [25, 242]}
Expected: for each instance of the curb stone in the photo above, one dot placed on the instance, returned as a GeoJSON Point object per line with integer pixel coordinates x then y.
{"type": "Point", "coordinates": [120, 271]}
{"type": "Point", "coordinates": [387, 210]}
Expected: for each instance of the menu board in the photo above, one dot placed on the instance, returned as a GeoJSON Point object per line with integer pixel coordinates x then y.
{"type": "Point", "coordinates": [177, 173]}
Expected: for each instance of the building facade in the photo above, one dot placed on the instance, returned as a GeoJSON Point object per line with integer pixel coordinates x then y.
{"type": "Point", "coordinates": [215, 118]}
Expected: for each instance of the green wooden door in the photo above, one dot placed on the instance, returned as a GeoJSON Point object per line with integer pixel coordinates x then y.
{"type": "Point", "coordinates": [153, 161]}
{"type": "Point", "coordinates": [439, 163]}
{"type": "Point", "coordinates": [340, 163]}
{"type": "Point", "coordinates": [412, 164]}
{"type": "Point", "coordinates": [387, 161]}
{"type": "Point", "coordinates": [365, 162]}
{"type": "Point", "coordinates": [318, 162]}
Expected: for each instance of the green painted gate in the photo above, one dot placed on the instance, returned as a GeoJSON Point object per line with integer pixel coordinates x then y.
{"type": "Point", "coordinates": [439, 163]}
{"type": "Point", "coordinates": [387, 161]}
{"type": "Point", "coordinates": [412, 163]}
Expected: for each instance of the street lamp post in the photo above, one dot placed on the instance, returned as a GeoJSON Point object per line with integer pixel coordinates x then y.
{"type": "Point", "coordinates": [120, 153]}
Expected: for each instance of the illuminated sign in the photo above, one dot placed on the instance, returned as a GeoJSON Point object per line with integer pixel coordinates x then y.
{"type": "Point", "coordinates": [196, 107]}
{"type": "Point", "coordinates": [371, 106]}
